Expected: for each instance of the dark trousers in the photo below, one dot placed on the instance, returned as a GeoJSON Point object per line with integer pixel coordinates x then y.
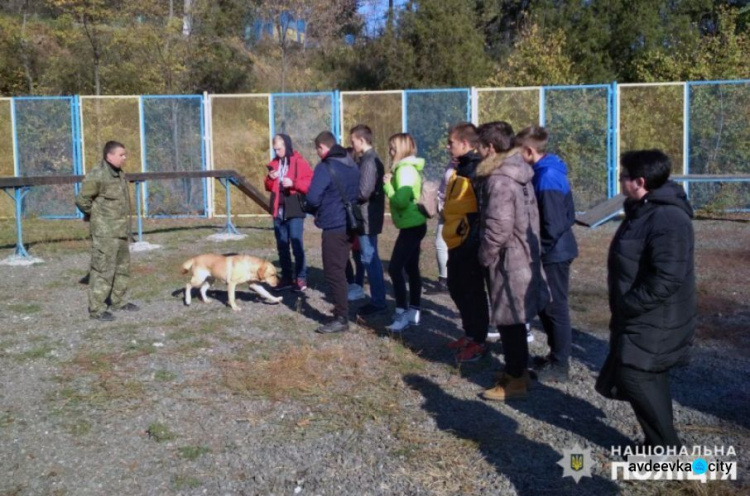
{"type": "Point", "coordinates": [290, 233]}
{"type": "Point", "coordinates": [515, 348]}
{"type": "Point", "coordinates": [649, 395]}
{"type": "Point", "coordinates": [405, 258]}
{"type": "Point", "coordinates": [556, 315]}
{"type": "Point", "coordinates": [336, 247]}
{"type": "Point", "coordinates": [355, 274]}
{"type": "Point", "coordinates": [466, 285]}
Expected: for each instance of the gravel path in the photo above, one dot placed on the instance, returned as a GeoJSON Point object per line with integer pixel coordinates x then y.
{"type": "Point", "coordinates": [203, 400]}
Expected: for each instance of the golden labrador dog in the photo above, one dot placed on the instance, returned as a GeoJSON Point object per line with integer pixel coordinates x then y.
{"type": "Point", "coordinates": [232, 269]}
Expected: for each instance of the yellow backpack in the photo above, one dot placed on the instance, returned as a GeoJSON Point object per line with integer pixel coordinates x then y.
{"type": "Point", "coordinates": [460, 201]}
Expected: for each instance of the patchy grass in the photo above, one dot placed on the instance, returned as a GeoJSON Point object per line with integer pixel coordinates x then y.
{"type": "Point", "coordinates": [6, 419]}
{"type": "Point", "coordinates": [186, 482]}
{"type": "Point", "coordinates": [79, 428]}
{"type": "Point", "coordinates": [41, 351]}
{"type": "Point", "coordinates": [193, 452]}
{"type": "Point", "coordinates": [290, 373]}
{"type": "Point", "coordinates": [160, 432]}
{"type": "Point", "coordinates": [164, 376]}
{"type": "Point", "coordinates": [25, 308]}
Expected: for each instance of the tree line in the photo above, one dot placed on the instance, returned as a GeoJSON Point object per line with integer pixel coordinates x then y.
{"type": "Point", "coordinates": [111, 47]}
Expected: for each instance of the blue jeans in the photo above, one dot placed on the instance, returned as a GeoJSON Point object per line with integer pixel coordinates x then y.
{"type": "Point", "coordinates": [289, 232]}
{"type": "Point", "coordinates": [371, 260]}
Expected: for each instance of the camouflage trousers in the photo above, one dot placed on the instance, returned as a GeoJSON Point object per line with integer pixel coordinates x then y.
{"type": "Point", "coordinates": [109, 274]}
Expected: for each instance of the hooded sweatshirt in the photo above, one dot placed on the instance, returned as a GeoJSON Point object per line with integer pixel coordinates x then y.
{"type": "Point", "coordinates": [403, 192]}
{"type": "Point", "coordinates": [293, 166]}
{"type": "Point", "coordinates": [556, 210]}
{"type": "Point", "coordinates": [323, 195]}
{"type": "Point", "coordinates": [651, 280]}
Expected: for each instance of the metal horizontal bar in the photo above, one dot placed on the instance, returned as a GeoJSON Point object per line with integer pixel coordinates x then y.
{"type": "Point", "coordinates": [237, 179]}
{"type": "Point", "coordinates": [519, 88]}
{"type": "Point", "coordinates": [171, 97]}
{"type": "Point", "coordinates": [705, 83]}
{"type": "Point", "coordinates": [381, 92]}
{"type": "Point", "coordinates": [637, 85]}
{"type": "Point", "coordinates": [242, 95]}
{"type": "Point", "coordinates": [69, 98]}
{"type": "Point", "coordinates": [309, 93]}
{"type": "Point", "coordinates": [578, 87]}
{"type": "Point", "coordinates": [440, 90]}
{"type": "Point", "coordinates": [713, 178]}
{"type": "Point", "coordinates": [105, 97]}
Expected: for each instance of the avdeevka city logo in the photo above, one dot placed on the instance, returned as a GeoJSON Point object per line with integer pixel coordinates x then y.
{"type": "Point", "coordinates": [576, 463]}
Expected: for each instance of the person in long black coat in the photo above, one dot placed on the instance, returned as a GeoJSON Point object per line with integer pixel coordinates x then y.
{"type": "Point", "coordinates": [652, 297]}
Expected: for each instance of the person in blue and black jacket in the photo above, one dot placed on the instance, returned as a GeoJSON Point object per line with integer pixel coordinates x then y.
{"type": "Point", "coordinates": [559, 248]}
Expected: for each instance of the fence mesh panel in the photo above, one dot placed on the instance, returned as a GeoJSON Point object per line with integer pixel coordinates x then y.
{"type": "Point", "coordinates": [719, 144]}
{"type": "Point", "coordinates": [173, 128]}
{"type": "Point", "coordinates": [429, 116]}
{"type": "Point", "coordinates": [44, 131]}
{"type": "Point", "coordinates": [519, 108]}
{"type": "Point", "coordinates": [106, 119]}
{"type": "Point", "coordinates": [380, 111]}
{"type": "Point", "coordinates": [652, 117]}
{"type": "Point", "coordinates": [6, 156]}
{"type": "Point", "coordinates": [577, 123]}
{"type": "Point", "coordinates": [303, 117]}
{"type": "Point", "coordinates": [240, 134]}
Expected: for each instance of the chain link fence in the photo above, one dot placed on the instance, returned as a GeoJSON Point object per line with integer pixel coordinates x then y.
{"type": "Point", "coordinates": [703, 126]}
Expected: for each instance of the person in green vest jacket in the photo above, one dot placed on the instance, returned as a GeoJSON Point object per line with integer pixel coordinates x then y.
{"type": "Point", "coordinates": [403, 187]}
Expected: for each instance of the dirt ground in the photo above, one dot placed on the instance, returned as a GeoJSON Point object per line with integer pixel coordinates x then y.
{"type": "Point", "coordinates": [203, 400]}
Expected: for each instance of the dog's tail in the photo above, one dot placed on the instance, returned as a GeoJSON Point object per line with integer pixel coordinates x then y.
{"type": "Point", "coordinates": [187, 266]}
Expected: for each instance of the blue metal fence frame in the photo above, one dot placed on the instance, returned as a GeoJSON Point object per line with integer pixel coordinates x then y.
{"type": "Point", "coordinates": [74, 137]}
{"type": "Point", "coordinates": [612, 140]}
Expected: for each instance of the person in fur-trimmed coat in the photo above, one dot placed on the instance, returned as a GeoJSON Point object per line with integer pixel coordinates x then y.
{"type": "Point", "coordinates": [510, 250]}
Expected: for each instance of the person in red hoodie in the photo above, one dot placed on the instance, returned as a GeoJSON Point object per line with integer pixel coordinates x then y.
{"type": "Point", "coordinates": [289, 176]}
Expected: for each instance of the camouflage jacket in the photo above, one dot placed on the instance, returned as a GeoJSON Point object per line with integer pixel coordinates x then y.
{"type": "Point", "coordinates": [105, 198]}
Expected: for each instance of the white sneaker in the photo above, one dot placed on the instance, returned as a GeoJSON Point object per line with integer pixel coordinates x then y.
{"type": "Point", "coordinates": [356, 292]}
{"type": "Point", "coordinates": [529, 335]}
{"type": "Point", "coordinates": [493, 335]}
{"type": "Point", "coordinates": [404, 319]}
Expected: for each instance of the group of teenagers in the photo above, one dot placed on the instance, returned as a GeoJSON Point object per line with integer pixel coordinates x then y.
{"type": "Point", "coordinates": [505, 219]}
{"type": "Point", "coordinates": [504, 246]}
{"type": "Point", "coordinates": [504, 240]}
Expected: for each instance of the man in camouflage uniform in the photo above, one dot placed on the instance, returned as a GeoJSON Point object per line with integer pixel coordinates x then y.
{"type": "Point", "coordinates": [105, 202]}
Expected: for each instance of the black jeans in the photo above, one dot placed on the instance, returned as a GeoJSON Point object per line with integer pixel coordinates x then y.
{"type": "Point", "coordinates": [649, 395]}
{"type": "Point", "coordinates": [405, 258]}
{"type": "Point", "coordinates": [336, 247]}
{"type": "Point", "coordinates": [466, 285]}
{"type": "Point", "coordinates": [556, 315]}
{"type": "Point", "coordinates": [515, 348]}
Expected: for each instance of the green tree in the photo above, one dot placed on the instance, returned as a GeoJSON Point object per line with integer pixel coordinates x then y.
{"type": "Point", "coordinates": [537, 59]}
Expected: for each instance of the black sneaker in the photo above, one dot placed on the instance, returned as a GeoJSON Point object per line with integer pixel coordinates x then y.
{"type": "Point", "coordinates": [104, 317]}
{"type": "Point", "coordinates": [337, 324]}
{"type": "Point", "coordinates": [539, 362]}
{"type": "Point", "coordinates": [284, 285]}
{"type": "Point", "coordinates": [441, 286]}
{"type": "Point", "coordinates": [127, 307]}
{"type": "Point", "coordinates": [370, 309]}
{"type": "Point", "coordinates": [553, 372]}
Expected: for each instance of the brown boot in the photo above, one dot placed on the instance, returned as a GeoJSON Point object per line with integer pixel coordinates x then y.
{"type": "Point", "coordinates": [508, 388]}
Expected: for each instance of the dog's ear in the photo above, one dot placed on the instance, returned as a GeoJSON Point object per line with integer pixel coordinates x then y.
{"type": "Point", "coordinates": [262, 270]}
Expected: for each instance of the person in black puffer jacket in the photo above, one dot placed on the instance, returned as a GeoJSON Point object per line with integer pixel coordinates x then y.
{"type": "Point", "coordinates": [652, 297]}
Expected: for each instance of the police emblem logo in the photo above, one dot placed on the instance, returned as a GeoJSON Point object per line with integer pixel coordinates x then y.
{"type": "Point", "coordinates": [576, 463]}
